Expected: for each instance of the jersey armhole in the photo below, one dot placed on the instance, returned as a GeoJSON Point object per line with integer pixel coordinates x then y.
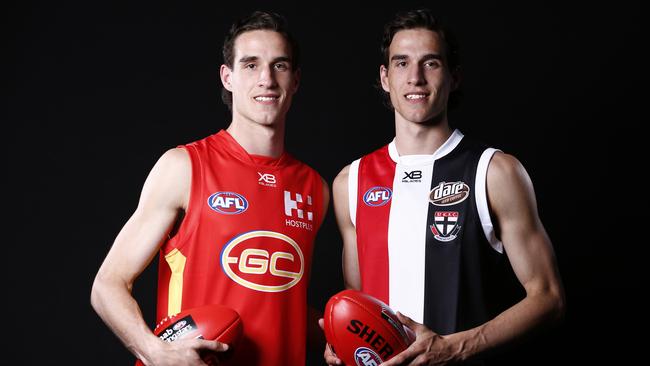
{"type": "Point", "coordinates": [353, 188]}
{"type": "Point", "coordinates": [190, 218]}
{"type": "Point", "coordinates": [482, 202]}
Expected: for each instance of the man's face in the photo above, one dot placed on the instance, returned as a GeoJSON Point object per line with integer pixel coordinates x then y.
{"type": "Point", "coordinates": [417, 76]}
{"type": "Point", "coordinates": [262, 79]}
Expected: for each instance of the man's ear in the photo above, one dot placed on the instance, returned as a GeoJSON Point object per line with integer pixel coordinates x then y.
{"type": "Point", "coordinates": [226, 74]}
{"type": "Point", "coordinates": [383, 77]}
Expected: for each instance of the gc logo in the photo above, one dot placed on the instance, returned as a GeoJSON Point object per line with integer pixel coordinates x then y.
{"type": "Point", "coordinates": [263, 261]}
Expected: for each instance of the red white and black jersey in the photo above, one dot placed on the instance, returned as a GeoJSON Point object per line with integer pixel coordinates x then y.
{"type": "Point", "coordinates": [425, 239]}
{"type": "Point", "coordinates": [246, 242]}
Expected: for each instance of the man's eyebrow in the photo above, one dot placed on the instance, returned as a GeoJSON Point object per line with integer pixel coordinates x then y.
{"type": "Point", "coordinates": [282, 59]}
{"type": "Point", "coordinates": [432, 56]}
{"type": "Point", "coordinates": [428, 56]}
{"type": "Point", "coordinates": [246, 59]}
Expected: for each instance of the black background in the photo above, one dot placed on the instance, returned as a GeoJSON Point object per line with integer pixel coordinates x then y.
{"type": "Point", "coordinates": [96, 91]}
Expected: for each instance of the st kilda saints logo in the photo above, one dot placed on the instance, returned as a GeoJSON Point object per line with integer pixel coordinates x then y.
{"type": "Point", "coordinates": [449, 193]}
{"type": "Point", "coordinates": [445, 225]}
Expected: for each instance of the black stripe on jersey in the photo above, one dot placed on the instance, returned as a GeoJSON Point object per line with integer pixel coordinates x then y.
{"type": "Point", "coordinates": [466, 281]}
{"type": "Point", "coordinates": [442, 262]}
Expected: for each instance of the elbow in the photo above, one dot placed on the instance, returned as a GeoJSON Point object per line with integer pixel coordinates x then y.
{"type": "Point", "coordinates": [560, 307]}
{"type": "Point", "coordinates": [96, 292]}
{"type": "Point", "coordinates": [103, 289]}
{"type": "Point", "coordinates": [556, 306]}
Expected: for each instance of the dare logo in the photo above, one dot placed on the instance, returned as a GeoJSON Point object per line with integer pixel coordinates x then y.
{"type": "Point", "coordinates": [449, 193]}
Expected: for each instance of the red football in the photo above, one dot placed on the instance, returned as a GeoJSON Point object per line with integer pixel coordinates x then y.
{"type": "Point", "coordinates": [211, 322]}
{"type": "Point", "coordinates": [362, 330]}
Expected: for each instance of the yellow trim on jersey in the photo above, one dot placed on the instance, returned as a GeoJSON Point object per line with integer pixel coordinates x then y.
{"type": "Point", "coordinates": [176, 261]}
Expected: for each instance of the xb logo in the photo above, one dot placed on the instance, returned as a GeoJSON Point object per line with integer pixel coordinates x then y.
{"type": "Point", "coordinates": [266, 178]}
{"type": "Point", "coordinates": [416, 174]}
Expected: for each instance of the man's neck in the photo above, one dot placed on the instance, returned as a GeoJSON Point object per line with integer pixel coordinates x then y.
{"type": "Point", "coordinates": [258, 139]}
{"type": "Point", "coordinates": [420, 138]}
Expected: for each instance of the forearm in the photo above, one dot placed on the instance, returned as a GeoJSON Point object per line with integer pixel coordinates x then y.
{"type": "Point", "coordinates": [118, 309]}
{"type": "Point", "coordinates": [532, 313]}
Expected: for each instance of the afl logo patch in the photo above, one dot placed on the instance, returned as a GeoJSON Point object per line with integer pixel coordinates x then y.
{"type": "Point", "coordinates": [377, 196]}
{"type": "Point", "coordinates": [180, 324]}
{"type": "Point", "coordinates": [229, 203]}
{"type": "Point", "coordinates": [366, 357]}
{"type": "Point", "coordinates": [263, 261]}
{"type": "Point", "coordinates": [447, 194]}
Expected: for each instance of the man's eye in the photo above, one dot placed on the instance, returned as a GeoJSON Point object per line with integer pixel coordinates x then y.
{"type": "Point", "coordinates": [281, 66]}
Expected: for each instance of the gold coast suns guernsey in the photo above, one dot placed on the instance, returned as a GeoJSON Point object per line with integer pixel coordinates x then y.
{"type": "Point", "coordinates": [246, 242]}
{"type": "Point", "coordinates": [425, 238]}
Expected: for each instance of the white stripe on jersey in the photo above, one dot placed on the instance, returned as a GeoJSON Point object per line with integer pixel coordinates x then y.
{"type": "Point", "coordinates": [481, 199]}
{"type": "Point", "coordinates": [353, 186]}
{"type": "Point", "coordinates": [407, 227]}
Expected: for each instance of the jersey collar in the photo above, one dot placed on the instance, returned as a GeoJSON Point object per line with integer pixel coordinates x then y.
{"type": "Point", "coordinates": [424, 159]}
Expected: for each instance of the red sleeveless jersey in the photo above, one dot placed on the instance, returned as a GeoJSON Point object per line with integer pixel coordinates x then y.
{"type": "Point", "coordinates": [246, 242]}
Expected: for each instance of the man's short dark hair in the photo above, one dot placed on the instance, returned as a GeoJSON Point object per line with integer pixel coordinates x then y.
{"type": "Point", "coordinates": [421, 18]}
{"type": "Point", "coordinates": [258, 20]}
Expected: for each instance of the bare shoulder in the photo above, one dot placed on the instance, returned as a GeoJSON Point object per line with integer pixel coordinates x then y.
{"type": "Point", "coordinates": [505, 167]}
{"type": "Point", "coordinates": [170, 179]}
{"type": "Point", "coordinates": [176, 158]}
{"type": "Point", "coordinates": [341, 180]}
{"type": "Point", "coordinates": [510, 189]}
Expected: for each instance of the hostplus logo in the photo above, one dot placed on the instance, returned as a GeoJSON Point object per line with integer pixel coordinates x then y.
{"type": "Point", "coordinates": [299, 210]}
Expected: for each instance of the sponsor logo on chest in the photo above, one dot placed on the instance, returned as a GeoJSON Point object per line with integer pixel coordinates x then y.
{"type": "Point", "coordinates": [449, 193]}
{"type": "Point", "coordinates": [299, 211]}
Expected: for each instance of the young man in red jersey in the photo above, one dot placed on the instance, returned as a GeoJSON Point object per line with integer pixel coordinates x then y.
{"type": "Point", "coordinates": [233, 216]}
{"type": "Point", "coordinates": [427, 220]}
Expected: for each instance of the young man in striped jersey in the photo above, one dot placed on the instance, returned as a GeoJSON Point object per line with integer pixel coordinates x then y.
{"type": "Point", "coordinates": [434, 223]}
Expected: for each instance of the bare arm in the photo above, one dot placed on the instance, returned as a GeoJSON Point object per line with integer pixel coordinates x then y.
{"type": "Point", "coordinates": [351, 273]}
{"type": "Point", "coordinates": [512, 200]}
{"type": "Point", "coordinates": [164, 195]}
